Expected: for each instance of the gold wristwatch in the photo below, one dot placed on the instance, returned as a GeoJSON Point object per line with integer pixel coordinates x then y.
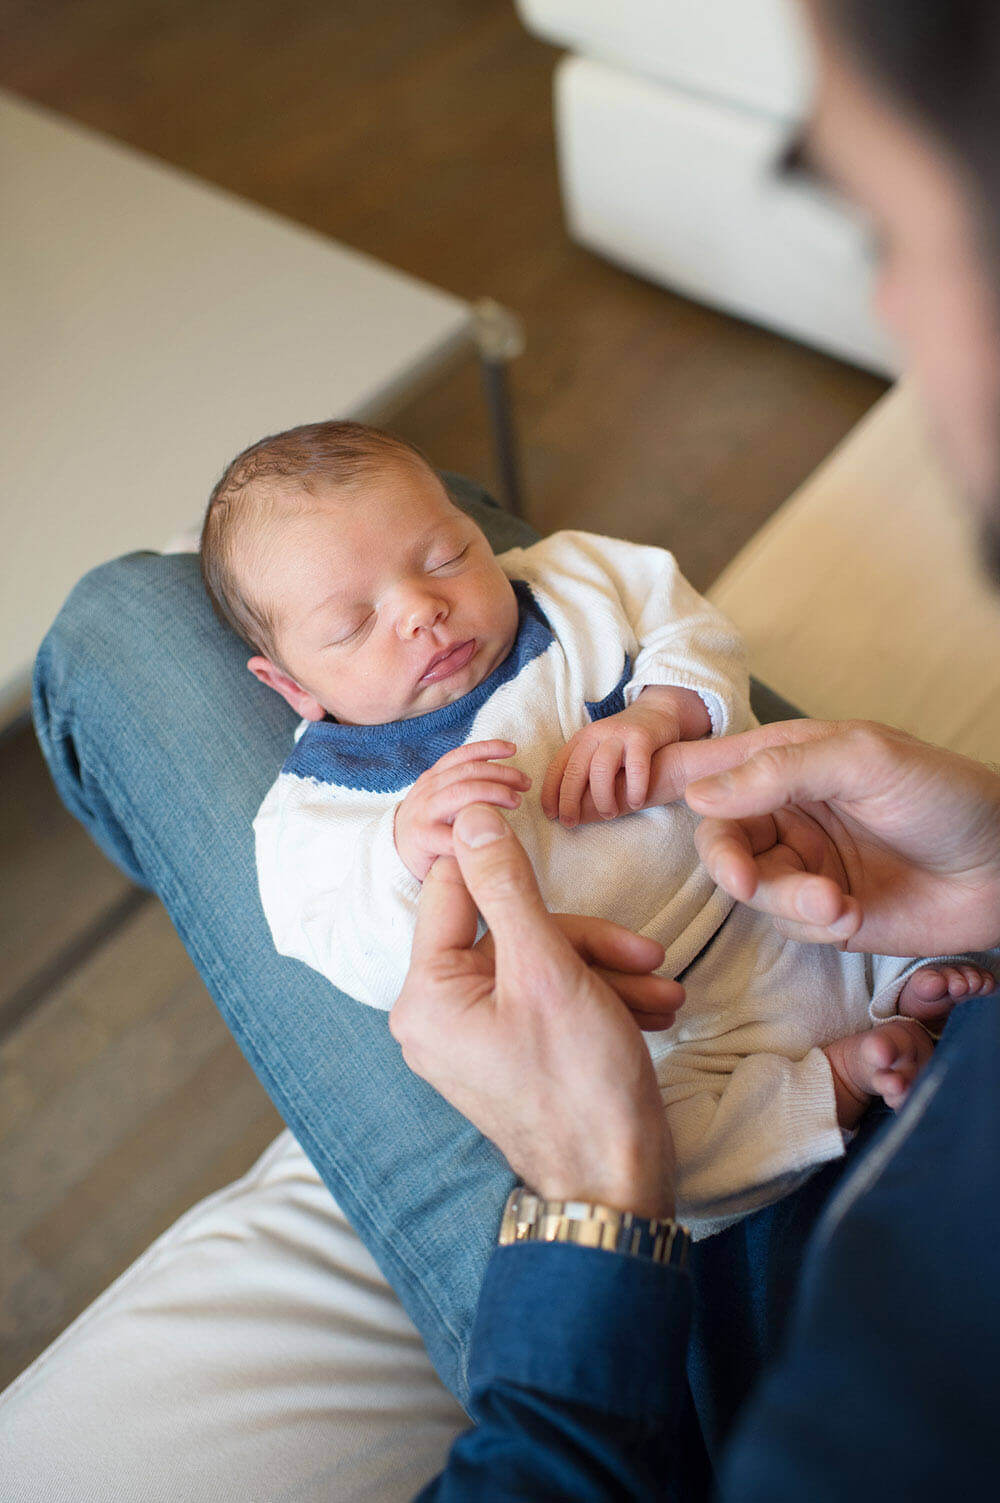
{"type": "Point", "coordinates": [529, 1218]}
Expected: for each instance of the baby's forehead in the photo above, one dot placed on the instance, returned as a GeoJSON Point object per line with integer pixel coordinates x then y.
{"type": "Point", "coordinates": [292, 521]}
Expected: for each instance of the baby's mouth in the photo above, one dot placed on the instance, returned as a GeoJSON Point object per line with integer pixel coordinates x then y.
{"type": "Point", "coordinates": [444, 664]}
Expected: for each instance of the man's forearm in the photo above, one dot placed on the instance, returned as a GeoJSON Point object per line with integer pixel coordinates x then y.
{"type": "Point", "coordinates": [577, 1380]}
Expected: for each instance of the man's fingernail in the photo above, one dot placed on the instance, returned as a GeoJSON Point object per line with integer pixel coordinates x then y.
{"type": "Point", "coordinates": [843, 927]}
{"type": "Point", "coordinates": [479, 825]}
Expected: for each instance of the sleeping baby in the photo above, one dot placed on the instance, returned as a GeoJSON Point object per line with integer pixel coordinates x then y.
{"type": "Point", "coordinates": [421, 665]}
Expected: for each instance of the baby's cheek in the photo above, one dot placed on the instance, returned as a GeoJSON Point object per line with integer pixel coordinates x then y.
{"type": "Point", "coordinates": [366, 694]}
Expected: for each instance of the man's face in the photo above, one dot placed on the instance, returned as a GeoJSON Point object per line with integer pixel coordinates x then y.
{"type": "Point", "coordinates": [388, 601]}
{"type": "Point", "coordinates": [934, 290]}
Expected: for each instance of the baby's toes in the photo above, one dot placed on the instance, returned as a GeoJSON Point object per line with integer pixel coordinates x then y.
{"type": "Point", "coordinates": [958, 983]}
{"type": "Point", "coordinates": [929, 984]}
{"type": "Point", "coordinates": [979, 982]}
{"type": "Point", "coordinates": [877, 1051]}
{"type": "Point", "coordinates": [908, 1047]}
{"type": "Point", "coordinates": [893, 1086]}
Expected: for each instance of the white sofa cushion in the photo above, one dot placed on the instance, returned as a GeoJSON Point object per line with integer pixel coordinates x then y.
{"type": "Point", "coordinates": [683, 190]}
{"type": "Point", "coordinates": [254, 1352]}
{"type": "Point", "coordinates": [749, 52]}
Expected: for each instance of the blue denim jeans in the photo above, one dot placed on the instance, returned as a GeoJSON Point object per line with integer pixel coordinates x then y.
{"type": "Point", "coordinates": [163, 745]}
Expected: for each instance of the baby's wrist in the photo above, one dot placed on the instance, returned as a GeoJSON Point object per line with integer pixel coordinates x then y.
{"type": "Point", "coordinates": [683, 711]}
{"type": "Point", "coordinates": [410, 857]}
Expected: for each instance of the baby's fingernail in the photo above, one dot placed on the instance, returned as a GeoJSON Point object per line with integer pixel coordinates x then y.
{"type": "Point", "coordinates": [479, 825]}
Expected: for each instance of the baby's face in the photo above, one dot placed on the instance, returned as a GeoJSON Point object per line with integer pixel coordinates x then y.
{"type": "Point", "coordinates": [388, 601]}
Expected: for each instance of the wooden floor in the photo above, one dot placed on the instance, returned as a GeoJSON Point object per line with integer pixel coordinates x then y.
{"type": "Point", "coordinates": [422, 134]}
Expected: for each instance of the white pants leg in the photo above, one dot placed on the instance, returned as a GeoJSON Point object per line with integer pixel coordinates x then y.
{"type": "Point", "coordinates": [253, 1353]}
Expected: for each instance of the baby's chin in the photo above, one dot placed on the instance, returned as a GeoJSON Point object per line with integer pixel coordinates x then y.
{"type": "Point", "coordinates": [438, 696]}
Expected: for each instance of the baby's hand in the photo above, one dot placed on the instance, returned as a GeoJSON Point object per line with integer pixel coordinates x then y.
{"type": "Point", "coordinates": [468, 775]}
{"type": "Point", "coordinates": [623, 743]}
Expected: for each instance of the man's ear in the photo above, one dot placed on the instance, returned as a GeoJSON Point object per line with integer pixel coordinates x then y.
{"type": "Point", "coordinates": [301, 701]}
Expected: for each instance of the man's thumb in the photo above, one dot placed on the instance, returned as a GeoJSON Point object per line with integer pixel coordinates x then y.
{"type": "Point", "coordinates": [498, 874]}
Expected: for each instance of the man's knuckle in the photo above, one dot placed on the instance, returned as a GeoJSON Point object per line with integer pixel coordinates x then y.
{"type": "Point", "coordinates": [504, 885]}
{"type": "Point", "coordinates": [770, 763]}
{"type": "Point", "coordinates": [867, 736]}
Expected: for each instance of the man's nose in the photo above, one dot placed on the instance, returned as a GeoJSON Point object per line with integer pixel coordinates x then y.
{"type": "Point", "coordinates": [419, 612]}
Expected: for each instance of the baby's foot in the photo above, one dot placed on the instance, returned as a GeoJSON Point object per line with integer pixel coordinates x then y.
{"type": "Point", "coordinates": [882, 1061]}
{"type": "Point", "coordinates": [932, 992]}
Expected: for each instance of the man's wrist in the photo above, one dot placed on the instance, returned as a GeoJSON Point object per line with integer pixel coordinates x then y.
{"type": "Point", "coordinates": [630, 1168]}
{"type": "Point", "coordinates": [639, 1200]}
{"type": "Point", "coordinates": [530, 1217]}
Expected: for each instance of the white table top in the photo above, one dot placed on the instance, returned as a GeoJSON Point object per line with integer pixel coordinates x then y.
{"type": "Point", "coordinates": [152, 327]}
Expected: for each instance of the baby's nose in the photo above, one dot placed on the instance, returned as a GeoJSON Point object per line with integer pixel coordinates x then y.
{"type": "Point", "coordinates": [421, 612]}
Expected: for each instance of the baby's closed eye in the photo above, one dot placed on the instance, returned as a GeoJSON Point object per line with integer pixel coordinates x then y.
{"type": "Point", "coordinates": [448, 562]}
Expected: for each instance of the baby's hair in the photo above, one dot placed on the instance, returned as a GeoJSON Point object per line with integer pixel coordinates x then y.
{"type": "Point", "coordinates": [272, 475]}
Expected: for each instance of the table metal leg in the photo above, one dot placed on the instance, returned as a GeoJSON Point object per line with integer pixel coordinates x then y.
{"type": "Point", "coordinates": [499, 340]}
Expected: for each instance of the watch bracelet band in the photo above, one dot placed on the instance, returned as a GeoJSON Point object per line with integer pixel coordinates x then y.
{"type": "Point", "coordinates": [528, 1217]}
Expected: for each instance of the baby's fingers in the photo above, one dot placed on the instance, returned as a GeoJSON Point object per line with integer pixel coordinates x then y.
{"type": "Point", "coordinates": [553, 781]}
{"type": "Point", "coordinates": [475, 751]}
{"type": "Point", "coordinates": [487, 772]}
{"type": "Point", "coordinates": [637, 763]}
{"type": "Point", "coordinates": [445, 805]}
{"type": "Point", "coordinates": [575, 779]}
{"type": "Point", "coordinates": [604, 768]}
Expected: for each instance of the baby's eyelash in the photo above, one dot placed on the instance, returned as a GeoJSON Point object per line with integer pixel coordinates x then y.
{"type": "Point", "coordinates": [453, 560]}
{"type": "Point", "coordinates": [342, 641]}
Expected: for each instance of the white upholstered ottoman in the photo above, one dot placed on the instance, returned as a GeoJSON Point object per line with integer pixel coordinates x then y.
{"type": "Point", "coordinates": [255, 1352]}
{"type": "Point", "coordinates": [670, 115]}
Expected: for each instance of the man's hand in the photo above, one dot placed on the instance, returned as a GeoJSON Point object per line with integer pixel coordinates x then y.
{"type": "Point", "coordinates": [611, 759]}
{"type": "Point", "coordinates": [471, 774]}
{"type": "Point", "coordinates": [850, 834]}
{"type": "Point", "coordinates": [625, 960]}
{"type": "Point", "coordinates": [530, 1042]}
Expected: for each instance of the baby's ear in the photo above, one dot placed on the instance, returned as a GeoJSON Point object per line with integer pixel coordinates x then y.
{"type": "Point", "coordinates": [301, 701]}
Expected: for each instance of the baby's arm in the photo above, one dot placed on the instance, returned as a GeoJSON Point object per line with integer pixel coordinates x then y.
{"type": "Point", "coordinates": [612, 758]}
{"type": "Point", "coordinates": [688, 676]}
{"type": "Point", "coordinates": [333, 888]}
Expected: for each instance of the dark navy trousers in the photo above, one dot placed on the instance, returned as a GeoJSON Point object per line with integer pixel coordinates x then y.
{"type": "Point", "coordinates": [842, 1345]}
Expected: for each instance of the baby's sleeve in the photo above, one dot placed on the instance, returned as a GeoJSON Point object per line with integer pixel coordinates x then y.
{"type": "Point", "coordinates": [677, 638]}
{"type": "Point", "coordinates": [682, 639]}
{"type": "Point", "coordinates": [333, 888]}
